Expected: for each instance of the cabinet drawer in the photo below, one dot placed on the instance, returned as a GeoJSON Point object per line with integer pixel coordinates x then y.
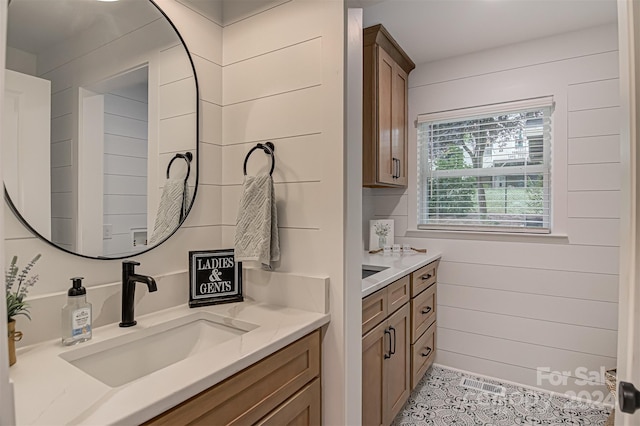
{"type": "Point", "coordinates": [423, 278]}
{"type": "Point", "coordinates": [249, 395]}
{"type": "Point", "coordinates": [302, 409]}
{"type": "Point", "coordinates": [398, 294]}
{"type": "Point", "coordinates": [423, 312]}
{"type": "Point", "coordinates": [374, 310]}
{"type": "Point", "coordinates": [423, 352]}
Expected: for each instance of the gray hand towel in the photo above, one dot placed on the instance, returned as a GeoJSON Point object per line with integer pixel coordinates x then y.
{"type": "Point", "coordinates": [257, 222]}
{"type": "Point", "coordinates": [172, 208]}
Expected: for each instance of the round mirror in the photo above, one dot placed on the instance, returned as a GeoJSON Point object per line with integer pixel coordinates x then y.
{"type": "Point", "coordinates": [100, 131]}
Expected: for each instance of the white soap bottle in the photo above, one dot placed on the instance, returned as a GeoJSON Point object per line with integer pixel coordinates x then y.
{"type": "Point", "coordinates": [76, 315]}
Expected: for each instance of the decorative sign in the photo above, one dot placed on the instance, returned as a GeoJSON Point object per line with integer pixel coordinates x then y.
{"type": "Point", "coordinates": [215, 277]}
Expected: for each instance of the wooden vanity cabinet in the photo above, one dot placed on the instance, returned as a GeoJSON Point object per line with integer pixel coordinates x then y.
{"type": "Point", "coordinates": [398, 343]}
{"type": "Point", "coordinates": [423, 352]}
{"type": "Point", "coordinates": [385, 109]}
{"type": "Point", "coordinates": [282, 389]}
{"type": "Point", "coordinates": [386, 375]}
{"type": "Point", "coordinates": [385, 369]}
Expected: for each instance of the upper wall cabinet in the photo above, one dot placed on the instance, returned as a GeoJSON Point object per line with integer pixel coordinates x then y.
{"type": "Point", "coordinates": [384, 127]}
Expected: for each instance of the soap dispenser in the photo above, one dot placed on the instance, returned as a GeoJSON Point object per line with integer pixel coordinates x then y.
{"type": "Point", "coordinates": [76, 315]}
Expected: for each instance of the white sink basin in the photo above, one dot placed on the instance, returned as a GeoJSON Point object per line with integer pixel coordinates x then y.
{"type": "Point", "coordinates": [368, 270]}
{"type": "Point", "coordinates": [128, 357]}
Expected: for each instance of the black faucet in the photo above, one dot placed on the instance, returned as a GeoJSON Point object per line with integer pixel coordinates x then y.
{"type": "Point", "coordinates": [129, 280]}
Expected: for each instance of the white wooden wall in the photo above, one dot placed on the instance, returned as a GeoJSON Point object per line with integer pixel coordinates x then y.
{"type": "Point", "coordinates": [125, 169]}
{"type": "Point", "coordinates": [176, 132]}
{"type": "Point", "coordinates": [283, 82]}
{"type": "Point", "coordinates": [509, 306]}
{"type": "Point", "coordinates": [63, 206]}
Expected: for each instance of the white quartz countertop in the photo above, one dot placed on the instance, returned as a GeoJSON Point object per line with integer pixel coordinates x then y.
{"type": "Point", "coordinates": [398, 265]}
{"type": "Point", "coordinates": [51, 391]}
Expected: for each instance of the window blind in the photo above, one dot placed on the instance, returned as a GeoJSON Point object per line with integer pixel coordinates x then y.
{"type": "Point", "coordinates": [486, 168]}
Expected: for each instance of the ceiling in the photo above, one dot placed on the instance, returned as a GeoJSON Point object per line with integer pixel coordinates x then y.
{"type": "Point", "coordinates": [430, 30]}
{"type": "Point", "coordinates": [227, 12]}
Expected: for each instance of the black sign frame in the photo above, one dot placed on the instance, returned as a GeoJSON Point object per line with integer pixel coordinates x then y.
{"type": "Point", "coordinates": [212, 280]}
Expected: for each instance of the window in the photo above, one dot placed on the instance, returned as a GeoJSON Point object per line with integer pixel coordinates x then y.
{"type": "Point", "coordinates": [486, 168]}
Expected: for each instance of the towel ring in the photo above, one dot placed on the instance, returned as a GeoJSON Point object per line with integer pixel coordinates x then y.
{"type": "Point", "coordinates": [188, 156]}
{"type": "Point", "coordinates": [268, 148]}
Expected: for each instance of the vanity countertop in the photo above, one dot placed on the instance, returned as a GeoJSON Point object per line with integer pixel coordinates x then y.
{"type": "Point", "coordinates": [49, 390]}
{"type": "Point", "coordinates": [398, 265]}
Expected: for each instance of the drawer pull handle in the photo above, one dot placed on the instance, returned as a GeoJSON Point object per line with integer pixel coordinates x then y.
{"type": "Point", "coordinates": [426, 310]}
{"type": "Point", "coordinates": [388, 355]}
{"type": "Point", "coordinates": [393, 351]}
{"type": "Point", "coordinates": [426, 354]}
{"type": "Point", "coordinates": [426, 277]}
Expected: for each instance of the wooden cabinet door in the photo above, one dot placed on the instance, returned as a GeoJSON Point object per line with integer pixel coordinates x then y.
{"type": "Point", "coordinates": [375, 345]}
{"type": "Point", "coordinates": [398, 367]}
{"type": "Point", "coordinates": [374, 310]}
{"type": "Point", "coordinates": [398, 294]}
{"type": "Point", "coordinates": [399, 120]}
{"type": "Point", "coordinates": [302, 409]}
{"type": "Point", "coordinates": [424, 278]}
{"type": "Point", "coordinates": [423, 352]}
{"type": "Point", "coordinates": [385, 86]}
{"type": "Point", "coordinates": [423, 312]}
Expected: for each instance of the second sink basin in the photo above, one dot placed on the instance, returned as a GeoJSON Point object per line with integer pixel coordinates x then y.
{"type": "Point", "coordinates": [126, 358]}
{"type": "Point", "coordinates": [368, 270]}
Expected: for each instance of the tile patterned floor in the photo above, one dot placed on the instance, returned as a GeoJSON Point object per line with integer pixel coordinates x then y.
{"type": "Point", "coordinates": [440, 400]}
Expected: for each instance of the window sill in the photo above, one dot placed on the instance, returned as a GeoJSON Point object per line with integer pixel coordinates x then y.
{"type": "Point", "coordinates": [489, 236]}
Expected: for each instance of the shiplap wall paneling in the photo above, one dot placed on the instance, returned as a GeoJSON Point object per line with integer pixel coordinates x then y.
{"type": "Point", "coordinates": [207, 58]}
{"type": "Point", "coordinates": [63, 204]}
{"type": "Point", "coordinates": [283, 82]}
{"type": "Point", "coordinates": [545, 333]}
{"type": "Point", "coordinates": [589, 313]}
{"type": "Point", "coordinates": [531, 280]}
{"type": "Point", "coordinates": [63, 216]}
{"type": "Point", "coordinates": [275, 94]}
{"type": "Point", "coordinates": [594, 157]}
{"type": "Point", "coordinates": [125, 170]}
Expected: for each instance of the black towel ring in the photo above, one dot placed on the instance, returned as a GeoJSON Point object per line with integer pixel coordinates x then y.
{"type": "Point", "coordinates": [187, 157]}
{"type": "Point", "coordinates": [268, 148]}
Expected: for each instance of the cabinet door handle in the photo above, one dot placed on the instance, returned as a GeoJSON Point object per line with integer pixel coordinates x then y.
{"type": "Point", "coordinates": [388, 355]}
{"type": "Point", "coordinates": [426, 277]}
{"type": "Point", "coordinates": [399, 165]}
{"type": "Point", "coordinates": [426, 310]}
{"type": "Point", "coordinates": [396, 167]}
{"type": "Point", "coordinates": [426, 354]}
{"type": "Point", "coordinates": [393, 351]}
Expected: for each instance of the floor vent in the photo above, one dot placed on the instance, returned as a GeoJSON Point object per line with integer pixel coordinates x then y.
{"type": "Point", "coordinates": [483, 386]}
